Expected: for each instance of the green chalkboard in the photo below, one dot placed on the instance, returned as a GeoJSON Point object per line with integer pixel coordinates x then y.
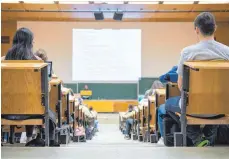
{"type": "Point", "coordinates": [114, 90]}
{"type": "Point", "coordinates": [73, 86]}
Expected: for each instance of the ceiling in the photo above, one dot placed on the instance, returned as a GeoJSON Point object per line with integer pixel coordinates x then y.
{"type": "Point", "coordinates": [132, 12]}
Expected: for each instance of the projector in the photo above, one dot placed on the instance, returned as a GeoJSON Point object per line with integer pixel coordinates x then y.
{"type": "Point", "coordinates": [118, 16]}
{"type": "Point", "coordinates": [98, 15]}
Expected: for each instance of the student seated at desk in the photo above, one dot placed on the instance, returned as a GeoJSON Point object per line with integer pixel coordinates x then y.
{"type": "Point", "coordinates": [206, 49]}
{"type": "Point", "coordinates": [86, 111]}
{"type": "Point", "coordinates": [41, 54]}
{"type": "Point", "coordinates": [22, 50]}
{"type": "Point", "coordinates": [151, 92]}
{"type": "Point", "coordinates": [96, 122]}
{"type": "Point", "coordinates": [129, 121]}
{"type": "Point", "coordinates": [156, 85]}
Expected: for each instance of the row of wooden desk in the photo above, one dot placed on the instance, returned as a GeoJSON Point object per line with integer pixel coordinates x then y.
{"type": "Point", "coordinates": [26, 91]}
{"type": "Point", "coordinates": [205, 91]}
{"type": "Point", "coordinates": [146, 119]}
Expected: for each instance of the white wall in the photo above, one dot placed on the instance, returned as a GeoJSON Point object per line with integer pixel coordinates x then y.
{"type": "Point", "coordinates": [161, 43]}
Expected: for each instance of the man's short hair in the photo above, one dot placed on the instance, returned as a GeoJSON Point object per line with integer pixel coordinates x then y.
{"type": "Point", "coordinates": [206, 23]}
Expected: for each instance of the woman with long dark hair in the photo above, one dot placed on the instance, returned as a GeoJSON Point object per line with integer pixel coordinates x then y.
{"type": "Point", "coordinates": [22, 49]}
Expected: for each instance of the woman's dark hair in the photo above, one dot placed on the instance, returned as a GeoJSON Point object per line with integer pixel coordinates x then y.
{"type": "Point", "coordinates": [22, 46]}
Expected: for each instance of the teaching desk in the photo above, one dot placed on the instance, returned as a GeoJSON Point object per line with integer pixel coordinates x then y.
{"type": "Point", "coordinates": [110, 105]}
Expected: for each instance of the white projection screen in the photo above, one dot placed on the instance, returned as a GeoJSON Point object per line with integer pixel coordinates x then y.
{"type": "Point", "coordinates": [106, 55]}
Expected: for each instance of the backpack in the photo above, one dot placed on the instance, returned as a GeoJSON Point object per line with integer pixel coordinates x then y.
{"type": "Point", "coordinates": [37, 142]}
{"type": "Point", "coordinates": [171, 124]}
{"type": "Point", "coordinates": [80, 131]}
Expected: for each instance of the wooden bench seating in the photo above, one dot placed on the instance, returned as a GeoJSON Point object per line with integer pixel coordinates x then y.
{"type": "Point", "coordinates": [198, 121]}
{"type": "Point", "coordinates": [205, 91]}
{"type": "Point", "coordinates": [26, 93]}
{"type": "Point", "coordinates": [65, 105]}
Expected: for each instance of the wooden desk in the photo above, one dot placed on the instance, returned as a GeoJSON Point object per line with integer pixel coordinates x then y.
{"type": "Point", "coordinates": [72, 104]}
{"type": "Point", "coordinates": [65, 105]}
{"type": "Point", "coordinates": [160, 97]}
{"type": "Point", "coordinates": [54, 93]}
{"type": "Point", "coordinates": [152, 114]}
{"type": "Point", "coordinates": [172, 90]}
{"type": "Point", "coordinates": [205, 91]}
{"type": "Point", "coordinates": [55, 98]}
{"type": "Point", "coordinates": [208, 80]}
{"type": "Point", "coordinates": [25, 92]}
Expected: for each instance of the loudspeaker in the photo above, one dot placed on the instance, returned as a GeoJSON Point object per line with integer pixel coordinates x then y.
{"type": "Point", "coordinates": [98, 15]}
{"type": "Point", "coordinates": [118, 16]}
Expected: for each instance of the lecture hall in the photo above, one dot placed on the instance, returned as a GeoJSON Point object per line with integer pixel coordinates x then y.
{"type": "Point", "coordinates": [114, 79]}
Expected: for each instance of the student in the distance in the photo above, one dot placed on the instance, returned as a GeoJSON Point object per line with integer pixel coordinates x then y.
{"type": "Point", "coordinates": [22, 50]}
{"type": "Point", "coordinates": [206, 49]}
{"type": "Point", "coordinates": [41, 53]}
{"type": "Point", "coordinates": [156, 85]}
{"type": "Point", "coordinates": [129, 121]}
{"type": "Point", "coordinates": [86, 89]}
{"type": "Point", "coordinates": [96, 122]}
